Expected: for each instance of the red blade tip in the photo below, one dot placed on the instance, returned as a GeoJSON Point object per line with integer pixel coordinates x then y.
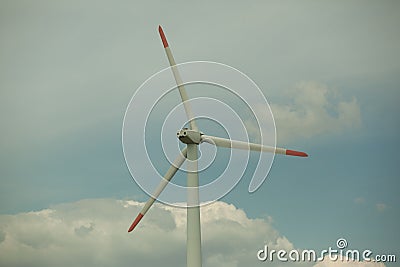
{"type": "Point", "coordinates": [295, 153]}
{"type": "Point", "coordinates": [164, 40]}
{"type": "Point", "coordinates": [135, 222]}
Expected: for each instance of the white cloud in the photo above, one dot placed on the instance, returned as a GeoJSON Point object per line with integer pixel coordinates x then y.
{"type": "Point", "coordinates": [359, 200]}
{"type": "Point", "coordinates": [329, 263]}
{"type": "Point", "coordinates": [94, 233]}
{"type": "Point", "coordinates": [381, 207]}
{"type": "Point", "coordinates": [315, 109]}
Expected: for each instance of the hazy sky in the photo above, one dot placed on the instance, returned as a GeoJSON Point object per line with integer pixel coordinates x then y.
{"type": "Point", "coordinates": [329, 69]}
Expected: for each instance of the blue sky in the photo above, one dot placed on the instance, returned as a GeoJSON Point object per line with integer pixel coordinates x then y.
{"type": "Point", "coordinates": [68, 70]}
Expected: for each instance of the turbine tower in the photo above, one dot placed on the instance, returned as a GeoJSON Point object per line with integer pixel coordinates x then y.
{"type": "Point", "coordinates": [192, 137]}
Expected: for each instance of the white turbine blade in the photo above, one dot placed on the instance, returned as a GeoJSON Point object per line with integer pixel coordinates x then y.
{"type": "Point", "coordinates": [178, 80]}
{"type": "Point", "coordinates": [193, 209]}
{"type": "Point", "coordinates": [223, 142]}
{"type": "Point", "coordinates": [167, 177]}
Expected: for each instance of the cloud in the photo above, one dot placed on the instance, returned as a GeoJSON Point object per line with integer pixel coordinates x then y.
{"type": "Point", "coordinates": [94, 233]}
{"type": "Point", "coordinates": [315, 109]}
{"type": "Point", "coordinates": [381, 207]}
{"type": "Point", "coordinates": [329, 263]}
{"type": "Point", "coordinates": [359, 200]}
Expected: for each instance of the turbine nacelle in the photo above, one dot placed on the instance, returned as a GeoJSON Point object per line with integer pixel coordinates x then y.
{"type": "Point", "coordinates": [188, 136]}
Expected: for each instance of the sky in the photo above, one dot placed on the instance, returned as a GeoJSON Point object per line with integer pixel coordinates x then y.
{"type": "Point", "coordinates": [68, 69]}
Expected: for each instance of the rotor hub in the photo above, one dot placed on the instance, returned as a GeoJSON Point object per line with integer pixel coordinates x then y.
{"type": "Point", "coordinates": [188, 136]}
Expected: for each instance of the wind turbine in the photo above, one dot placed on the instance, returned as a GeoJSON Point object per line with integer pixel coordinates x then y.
{"type": "Point", "coordinates": [192, 137]}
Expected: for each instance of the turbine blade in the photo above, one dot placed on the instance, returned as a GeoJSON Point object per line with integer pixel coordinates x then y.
{"type": "Point", "coordinates": [223, 142]}
{"type": "Point", "coordinates": [167, 177]}
{"type": "Point", "coordinates": [178, 79]}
